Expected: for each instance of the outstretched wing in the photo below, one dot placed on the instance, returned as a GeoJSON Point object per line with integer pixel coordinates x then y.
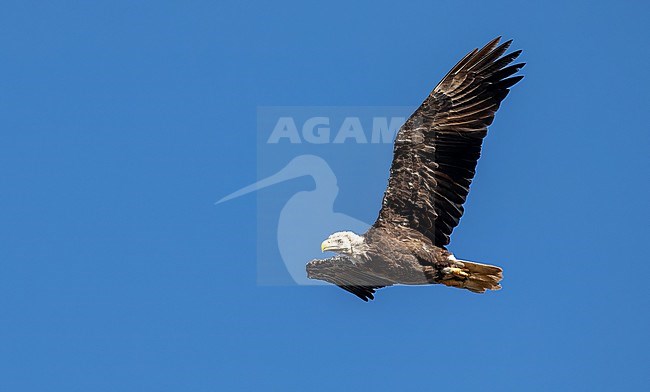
{"type": "Point", "coordinates": [342, 272]}
{"type": "Point", "coordinates": [437, 149]}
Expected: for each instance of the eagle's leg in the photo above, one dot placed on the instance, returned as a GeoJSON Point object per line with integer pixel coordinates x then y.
{"type": "Point", "coordinates": [454, 277]}
{"type": "Point", "coordinates": [454, 272]}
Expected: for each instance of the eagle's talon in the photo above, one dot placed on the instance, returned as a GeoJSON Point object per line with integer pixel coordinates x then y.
{"type": "Point", "coordinates": [454, 272]}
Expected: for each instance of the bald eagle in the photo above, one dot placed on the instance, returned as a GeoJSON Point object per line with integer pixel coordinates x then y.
{"type": "Point", "coordinates": [434, 162]}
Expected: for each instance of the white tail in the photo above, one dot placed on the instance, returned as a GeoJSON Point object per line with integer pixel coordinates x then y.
{"type": "Point", "coordinates": [481, 277]}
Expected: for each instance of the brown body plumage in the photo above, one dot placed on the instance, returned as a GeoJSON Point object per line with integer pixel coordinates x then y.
{"type": "Point", "coordinates": [435, 157]}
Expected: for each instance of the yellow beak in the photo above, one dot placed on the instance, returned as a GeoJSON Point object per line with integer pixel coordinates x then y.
{"type": "Point", "coordinates": [324, 246]}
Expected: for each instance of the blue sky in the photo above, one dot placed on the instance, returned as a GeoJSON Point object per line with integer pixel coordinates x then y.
{"type": "Point", "coordinates": [121, 124]}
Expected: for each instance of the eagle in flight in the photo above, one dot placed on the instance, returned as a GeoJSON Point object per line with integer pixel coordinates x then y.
{"type": "Point", "coordinates": [434, 161]}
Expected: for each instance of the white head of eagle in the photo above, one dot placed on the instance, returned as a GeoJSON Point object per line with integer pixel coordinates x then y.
{"type": "Point", "coordinates": [345, 243]}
